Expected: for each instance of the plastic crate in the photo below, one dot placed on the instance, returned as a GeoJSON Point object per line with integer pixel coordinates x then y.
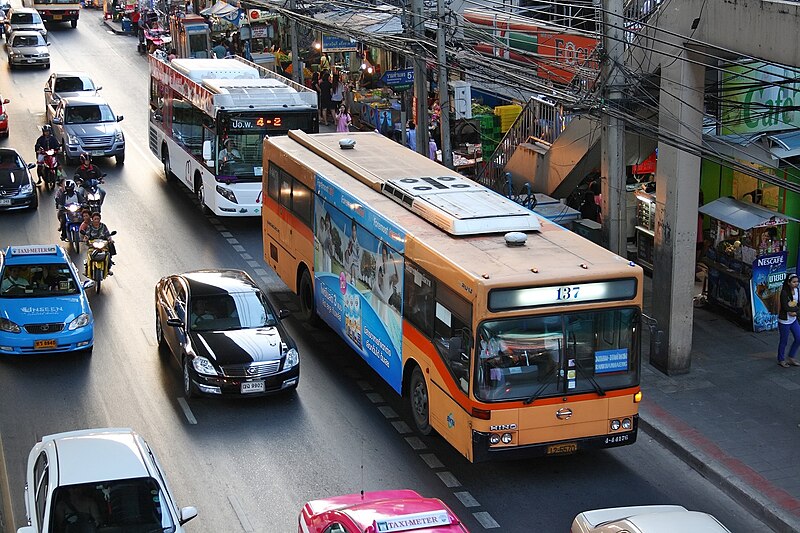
{"type": "Point", "coordinates": [508, 114]}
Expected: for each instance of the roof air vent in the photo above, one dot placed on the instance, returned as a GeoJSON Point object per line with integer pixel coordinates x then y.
{"type": "Point", "coordinates": [347, 144]}
{"type": "Point", "coordinates": [515, 238]}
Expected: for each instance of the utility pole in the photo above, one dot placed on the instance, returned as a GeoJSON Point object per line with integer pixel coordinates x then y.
{"type": "Point", "coordinates": [612, 142]}
{"type": "Point", "coordinates": [297, 73]}
{"type": "Point", "coordinates": [444, 94]}
{"type": "Point", "coordinates": [420, 89]}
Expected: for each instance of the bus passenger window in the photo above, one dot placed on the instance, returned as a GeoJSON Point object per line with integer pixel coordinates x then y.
{"type": "Point", "coordinates": [453, 341]}
{"type": "Point", "coordinates": [273, 182]}
{"type": "Point", "coordinates": [418, 289]}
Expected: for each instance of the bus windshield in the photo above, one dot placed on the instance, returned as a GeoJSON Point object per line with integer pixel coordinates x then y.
{"type": "Point", "coordinates": [532, 357]}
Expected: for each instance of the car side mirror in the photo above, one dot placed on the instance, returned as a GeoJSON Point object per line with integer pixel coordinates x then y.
{"type": "Point", "coordinates": [175, 322]}
{"type": "Point", "coordinates": [87, 284]}
{"type": "Point", "coordinates": [48, 90]}
{"type": "Point", "coordinates": [113, 233]}
{"type": "Point", "coordinates": [31, 166]}
{"type": "Point", "coordinates": [283, 313]}
{"type": "Point", "coordinates": [49, 43]}
{"type": "Point", "coordinates": [57, 120]}
{"type": "Point", "coordinates": [98, 88]}
{"type": "Point", "coordinates": [119, 118]}
{"type": "Point", "coordinates": [187, 513]}
{"type": "Point", "coordinates": [6, 101]}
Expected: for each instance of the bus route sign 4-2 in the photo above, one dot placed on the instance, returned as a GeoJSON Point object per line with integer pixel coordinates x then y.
{"type": "Point", "coordinates": [261, 122]}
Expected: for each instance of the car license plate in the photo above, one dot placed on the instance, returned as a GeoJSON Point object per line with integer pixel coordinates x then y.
{"type": "Point", "coordinates": [252, 386]}
{"type": "Point", "coordinates": [31, 60]}
{"type": "Point", "coordinates": [44, 344]}
{"type": "Point", "coordinates": [97, 152]}
{"type": "Point", "coordinates": [5, 201]}
{"type": "Point", "coordinates": [56, 17]}
{"type": "Point", "coordinates": [566, 447]}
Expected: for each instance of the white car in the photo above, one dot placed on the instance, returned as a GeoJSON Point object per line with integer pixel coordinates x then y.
{"type": "Point", "coordinates": [646, 519]}
{"type": "Point", "coordinates": [99, 480]}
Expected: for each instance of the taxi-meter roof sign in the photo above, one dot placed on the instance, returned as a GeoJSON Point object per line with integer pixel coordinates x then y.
{"type": "Point", "coordinates": [410, 522]}
{"type": "Point", "coordinates": [34, 249]}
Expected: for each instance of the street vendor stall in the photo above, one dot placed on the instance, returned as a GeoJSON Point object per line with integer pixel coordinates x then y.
{"type": "Point", "coordinates": [746, 260]}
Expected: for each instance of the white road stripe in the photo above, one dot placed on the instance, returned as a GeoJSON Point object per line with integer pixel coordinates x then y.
{"type": "Point", "coordinates": [448, 479]}
{"type": "Point", "coordinates": [375, 397]}
{"type": "Point", "coordinates": [261, 272]}
{"type": "Point", "coordinates": [238, 247]}
{"type": "Point", "coordinates": [252, 264]}
{"type": "Point", "coordinates": [187, 411]}
{"type": "Point", "coordinates": [467, 499]}
{"type": "Point", "coordinates": [431, 460]}
{"type": "Point", "coordinates": [147, 337]}
{"type": "Point", "coordinates": [415, 443]}
{"type": "Point", "coordinates": [486, 520]}
{"type": "Point", "coordinates": [247, 257]}
{"type": "Point", "coordinates": [401, 427]}
{"type": "Point", "coordinates": [232, 240]}
{"type": "Point", "coordinates": [226, 234]}
{"type": "Point", "coordinates": [237, 508]}
{"type": "Point", "coordinates": [364, 385]}
{"type": "Point", "coordinates": [387, 411]}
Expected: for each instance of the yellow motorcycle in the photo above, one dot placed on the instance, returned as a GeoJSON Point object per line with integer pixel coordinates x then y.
{"type": "Point", "coordinates": [97, 264]}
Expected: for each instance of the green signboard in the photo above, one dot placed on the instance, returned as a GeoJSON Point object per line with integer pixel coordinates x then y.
{"type": "Point", "coordinates": [759, 97]}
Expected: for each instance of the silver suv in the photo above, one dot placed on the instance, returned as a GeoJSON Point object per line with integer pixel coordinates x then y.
{"type": "Point", "coordinates": [87, 124]}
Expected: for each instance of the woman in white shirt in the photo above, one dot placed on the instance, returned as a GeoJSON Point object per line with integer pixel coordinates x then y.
{"type": "Point", "coordinates": [787, 321]}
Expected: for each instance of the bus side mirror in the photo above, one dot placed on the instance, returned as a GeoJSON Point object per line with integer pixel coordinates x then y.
{"type": "Point", "coordinates": [207, 153]}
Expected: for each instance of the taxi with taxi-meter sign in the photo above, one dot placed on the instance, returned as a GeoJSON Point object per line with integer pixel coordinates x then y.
{"type": "Point", "coordinates": [43, 305]}
{"type": "Point", "coordinates": [379, 512]}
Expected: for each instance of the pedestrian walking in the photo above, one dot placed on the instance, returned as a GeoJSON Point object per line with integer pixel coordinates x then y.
{"type": "Point", "coordinates": [337, 91]}
{"type": "Point", "coordinates": [325, 89]}
{"type": "Point", "coordinates": [343, 119]}
{"type": "Point", "coordinates": [787, 321]}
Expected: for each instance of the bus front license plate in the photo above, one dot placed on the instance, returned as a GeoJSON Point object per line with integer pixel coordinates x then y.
{"type": "Point", "coordinates": [44, 344]}
{"type": "Point", "coordinates": [559, 449]}
{"type": "Point", "coordinates": [249, 387]}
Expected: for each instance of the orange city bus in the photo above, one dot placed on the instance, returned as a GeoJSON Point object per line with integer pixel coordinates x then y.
{"type": "Point", "coordinates": [506, 334]}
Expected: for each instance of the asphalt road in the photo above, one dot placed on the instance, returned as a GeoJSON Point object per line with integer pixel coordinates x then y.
{"type": "Point", "coordinates": [249, 465]}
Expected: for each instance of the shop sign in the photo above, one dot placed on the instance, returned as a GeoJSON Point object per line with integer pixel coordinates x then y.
{"type": "Point", "coordinates": [648, 166]}
{"type": "Point", "coordinates": [759, 97]}
{"type": "Point", "coordinates": [398, 80]}
{"type": "Point", "coordinates": [769, 271]}
{"type": "Point", "coordinates": [331, 43]}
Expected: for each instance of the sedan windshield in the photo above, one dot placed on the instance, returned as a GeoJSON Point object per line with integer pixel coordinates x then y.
{"type": "Point", "coordinates": [73, 84]}
{"type": "Point", "coordinates": [28, 40]}
{"type": "Point", "coordinates": [35, 281]}
{"type": "Point", "coordinates": [123, 505]}
{"type": "Point", "coordinates": [528, 358]}
{"type": "Point", "coordinates": [25, 18]}
{"type": "Point", "coordinates": [89, 114]}
{"type": "Point", "coordinates": [238, 310]}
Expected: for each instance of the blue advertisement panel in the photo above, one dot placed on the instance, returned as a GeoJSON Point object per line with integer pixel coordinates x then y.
{"type": "Point", "coordinates": [331, 43]}
{"type": "Point", "coordinates": [611, 361]}
{"type": "Point", "coordinates": [358, 272]}
{"type": "Point", "coordinates": [769, 271]}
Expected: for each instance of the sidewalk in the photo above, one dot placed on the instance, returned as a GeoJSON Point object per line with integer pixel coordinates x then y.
{"type": "Point", "coordinates": [116, 27]}
{"type": "Point", "coordinates": [735, 417]}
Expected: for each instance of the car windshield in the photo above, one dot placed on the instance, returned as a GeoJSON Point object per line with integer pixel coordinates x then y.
{"type": "Point", "coordinates": [89, 114]}
{"type": "Point", "coordinates": [10, 160]}
{"type": "Point", "coordinates": [25, 18]}
{"type": "Point", "coordinates": [238, 310]}
{"type": "Point", "coordinates": [36, 281]}
{"type": "Point", "coordinates": [73, 84]}
{"type": "Point", "coordinates": [532, 357]}
{"type": "Point", "coordinates": [28, 40]}
{"type": "Point", "coordinates": [241, 156]}
{"type": "Point", "coordinates": [136, 505]}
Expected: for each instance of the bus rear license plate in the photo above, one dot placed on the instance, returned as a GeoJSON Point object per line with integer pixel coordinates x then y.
{"type": "Point", "coordinates": [56, 17]}
{"type": "Point", "coordinates": [558, 449]}
{"type": "Point", "coordinates": [252, 386]}
{"type": "Point", "coordinates": [44, 344]}
{"type": "Point", "coordinates": [97, 153]}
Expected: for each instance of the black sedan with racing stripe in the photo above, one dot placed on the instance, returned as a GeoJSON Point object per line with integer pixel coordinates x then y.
{"type": "Point", "coordinates": [225, 334]}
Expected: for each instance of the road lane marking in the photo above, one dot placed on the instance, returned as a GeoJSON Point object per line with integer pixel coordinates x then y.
{"type": "Point", "coordinates": [364, 385]}
{"type": "Point", "coordinates": [401, 427]}
{"type": "Point", "coordinates": [187, 411]}
{"type": "Point", "coordinates": [147, 337]}
{"type": "Point", "coordinates": [246, 257]}
{"type": "Point", "coordinates": [466, 499]}
{"type": "Point", "coordinates": [486, 520]}
{"type": "Point", "coordinates": [448, 479]}
{"type": "Point", "coordinates": [387, 411]}
{"type": "Point", "coordinates": [238, 247]}
{"type": "Point", "coordinates": [375, 397]}
{"type": "Point", "coordinates": [416, 443]}
{"type": "Point", "coordinates": [431, 460]}
{"type": "Point", "coordinates": [253, 264]}
{"type": "Point", "coordinates": [237, 508]}
{"type": "Point", "coordinates": [226, 234]}
{"type": "Point", "coordinates": [232, 240]}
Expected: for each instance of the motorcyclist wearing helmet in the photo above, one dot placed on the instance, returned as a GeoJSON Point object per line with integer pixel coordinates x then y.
{"type": "Point", "coordinates": [70, 195]}
{"type": "Point", "coordinates": [87, 174]}
{"type": "Point", "coordinates": [98, 230]}
{"type": "Point", "coordinates": [45, 142]}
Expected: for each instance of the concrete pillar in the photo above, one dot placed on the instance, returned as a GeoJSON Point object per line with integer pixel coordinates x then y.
{"type": "Point", "coordinates": [677, 190]}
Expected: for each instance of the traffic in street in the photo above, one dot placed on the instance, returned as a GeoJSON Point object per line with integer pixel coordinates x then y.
{"type": "Point", "coordinates": [332, 427]}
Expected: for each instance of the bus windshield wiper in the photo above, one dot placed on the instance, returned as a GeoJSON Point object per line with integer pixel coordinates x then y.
{"type": "Point", "coordinates": [541, 389]}
{"type": "Point", "coordinates": [591, 380]}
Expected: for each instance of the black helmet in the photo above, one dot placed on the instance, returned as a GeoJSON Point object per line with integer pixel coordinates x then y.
{"type": "Point", "coordinates": [47, 128]}
{"type": "Point", "coordinates": [85, 158]}
{"type": "Point", "coordinates": [69, 186]}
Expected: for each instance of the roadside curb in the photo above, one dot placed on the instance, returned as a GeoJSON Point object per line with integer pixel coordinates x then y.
{"type": "Point", "coordinates": [727, 480]}
{"type": "Point", "coordinates": [113, 28]}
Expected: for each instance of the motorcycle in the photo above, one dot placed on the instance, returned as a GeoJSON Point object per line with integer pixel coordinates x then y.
{"type": "Point", "coordinates": [50, 169]}
{"type": "Point", "coordinates": [93, 195]}
{"type": "Point", "coordinates": [72, 225]}
{"type": "Point", "coordinates": [98, 261]}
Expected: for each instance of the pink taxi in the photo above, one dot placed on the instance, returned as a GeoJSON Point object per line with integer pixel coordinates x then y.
{"type": "Point", "coordinates": [379, 512]}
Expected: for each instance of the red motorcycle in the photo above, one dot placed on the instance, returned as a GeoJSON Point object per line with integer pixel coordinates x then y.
{"type": "Point", "coordinates": [50, 169]}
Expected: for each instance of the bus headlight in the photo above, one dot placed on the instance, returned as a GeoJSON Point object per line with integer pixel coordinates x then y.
{"type": "Point", "coordinates": [494, 438]}
{"type": "Point", "coordinates": [614, 425]}
{"type": "Point", "coordinates": [506, 438]}
{"type": "Point", "coordinates": [227, 194]}
{"type": "Point", "coordinates": [79, 322]}
{"type": "Point", "coordinates": [626, 423]}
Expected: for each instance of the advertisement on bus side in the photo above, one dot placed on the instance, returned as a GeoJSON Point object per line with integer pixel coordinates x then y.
{"type": "Point", "coordinates": [358, 271]}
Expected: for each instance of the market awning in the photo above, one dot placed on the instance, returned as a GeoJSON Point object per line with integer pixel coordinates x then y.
{"type": "Point", "coordinates": [744, 215]}
{"type": "Point", "coordinates": [784, 145]}
{"type": "Point", "coordinates": [384, 20]}
{"type": "Point", "coordinates": [220, 9]}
